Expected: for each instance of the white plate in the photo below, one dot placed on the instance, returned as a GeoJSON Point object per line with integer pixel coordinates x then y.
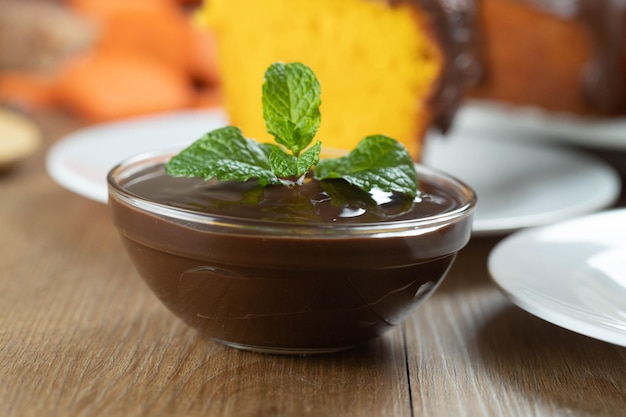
{"type": "Point", "coordinates": [522, 184]}
{"type": "Point", "coordinates": [518, 185]}
{"type": "Point", "coordinates": [572, 274]}
{"type": "Point", "coordinates": [81, 160]}
{"type": "Point", "coordinates": [531, 123]}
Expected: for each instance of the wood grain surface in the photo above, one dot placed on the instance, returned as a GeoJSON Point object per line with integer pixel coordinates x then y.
{"type": "Point", "coordinates": [81, 335]}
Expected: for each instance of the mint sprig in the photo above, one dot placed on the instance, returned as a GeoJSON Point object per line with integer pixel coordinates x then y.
{"type": "Point", "coordinates": [224, 154]}
{"type": "Point", "coordinates": [291, 105]}
{"type": "Point", "coordinates": [291, 109]}
{"type": "Point", "coordinates": [377, 162]}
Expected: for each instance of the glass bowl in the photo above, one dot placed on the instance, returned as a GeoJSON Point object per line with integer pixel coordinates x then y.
{"type": "Point", "coordinates": [281, 287]}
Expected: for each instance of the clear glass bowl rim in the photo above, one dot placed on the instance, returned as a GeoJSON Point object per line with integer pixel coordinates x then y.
{"type": "Point", "coordinates": [137, 163]}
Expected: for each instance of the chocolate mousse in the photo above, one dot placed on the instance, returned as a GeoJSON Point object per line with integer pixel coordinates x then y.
{"type": "Point", "coordinates": [287, 269]}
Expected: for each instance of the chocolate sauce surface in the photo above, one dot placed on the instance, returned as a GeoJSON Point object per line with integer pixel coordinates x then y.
{"type": "Point", "coordinates": [332, 201]}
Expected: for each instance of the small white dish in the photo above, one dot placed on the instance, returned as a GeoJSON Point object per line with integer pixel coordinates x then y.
{"type": "Point", "coordinates": [19, 138]}
{"type": "Point", "coordinates": [518, 184]}
{"type": "Point", "coordinates": [572, 274]}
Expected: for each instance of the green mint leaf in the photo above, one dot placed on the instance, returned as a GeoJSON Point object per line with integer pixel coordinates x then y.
{"type": "Point", "coordinates": [377, 162]}
{"type": "Point", "coordinates": [291, 101]}
{"type": "Point", "coordinates": [224, 154]}
{"type": "Point", "coordinates": [282, 163]}
{"type": "Point", "coordinates": [286, 165]}
{"type": "Point", "coordinates": [308, 158]}
{"type": "Point", "coordinates": [291, 109]}
{"type": "Point", "coordinates": [268, 148]}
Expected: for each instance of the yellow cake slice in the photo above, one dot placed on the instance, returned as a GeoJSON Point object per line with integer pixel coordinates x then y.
{"type": "Point", "coordinates": [380, 63]}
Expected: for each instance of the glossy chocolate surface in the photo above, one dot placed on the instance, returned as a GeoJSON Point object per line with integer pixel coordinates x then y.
{"type": "Point", "coordinates": [313, 202]}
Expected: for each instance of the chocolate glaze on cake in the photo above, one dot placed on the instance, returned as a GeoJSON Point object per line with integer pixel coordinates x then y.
{"type": "Point", "coordinates": [603, 79]}
{"type": "Point", "coordinates": [455, 24]}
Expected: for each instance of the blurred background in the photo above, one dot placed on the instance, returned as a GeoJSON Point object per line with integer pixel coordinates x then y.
{"type": "Point", "coordinates": [85, 56]}
{"type": "Point", "coordinates": [97, 61]}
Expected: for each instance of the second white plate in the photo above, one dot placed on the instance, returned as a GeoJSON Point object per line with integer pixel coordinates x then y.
{"type": "Point", "coordinates": [572, 274]}
{"type": "Point", "coordinates": [518, 184]}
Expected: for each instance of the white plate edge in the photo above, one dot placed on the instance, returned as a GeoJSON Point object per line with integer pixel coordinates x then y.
{"type": "Point", "coordinates": [536, 308]}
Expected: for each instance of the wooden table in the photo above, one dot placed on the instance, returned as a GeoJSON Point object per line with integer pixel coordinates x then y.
{"type": "Point", "coordinates": [81, 335]}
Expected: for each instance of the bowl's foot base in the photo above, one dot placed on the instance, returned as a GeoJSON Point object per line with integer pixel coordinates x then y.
{"type": "Point", "coordinates": [283, 350]}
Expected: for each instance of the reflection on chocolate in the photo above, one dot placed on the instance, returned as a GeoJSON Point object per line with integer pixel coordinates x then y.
{"type": "Point", "coordinates": [308, 203]}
